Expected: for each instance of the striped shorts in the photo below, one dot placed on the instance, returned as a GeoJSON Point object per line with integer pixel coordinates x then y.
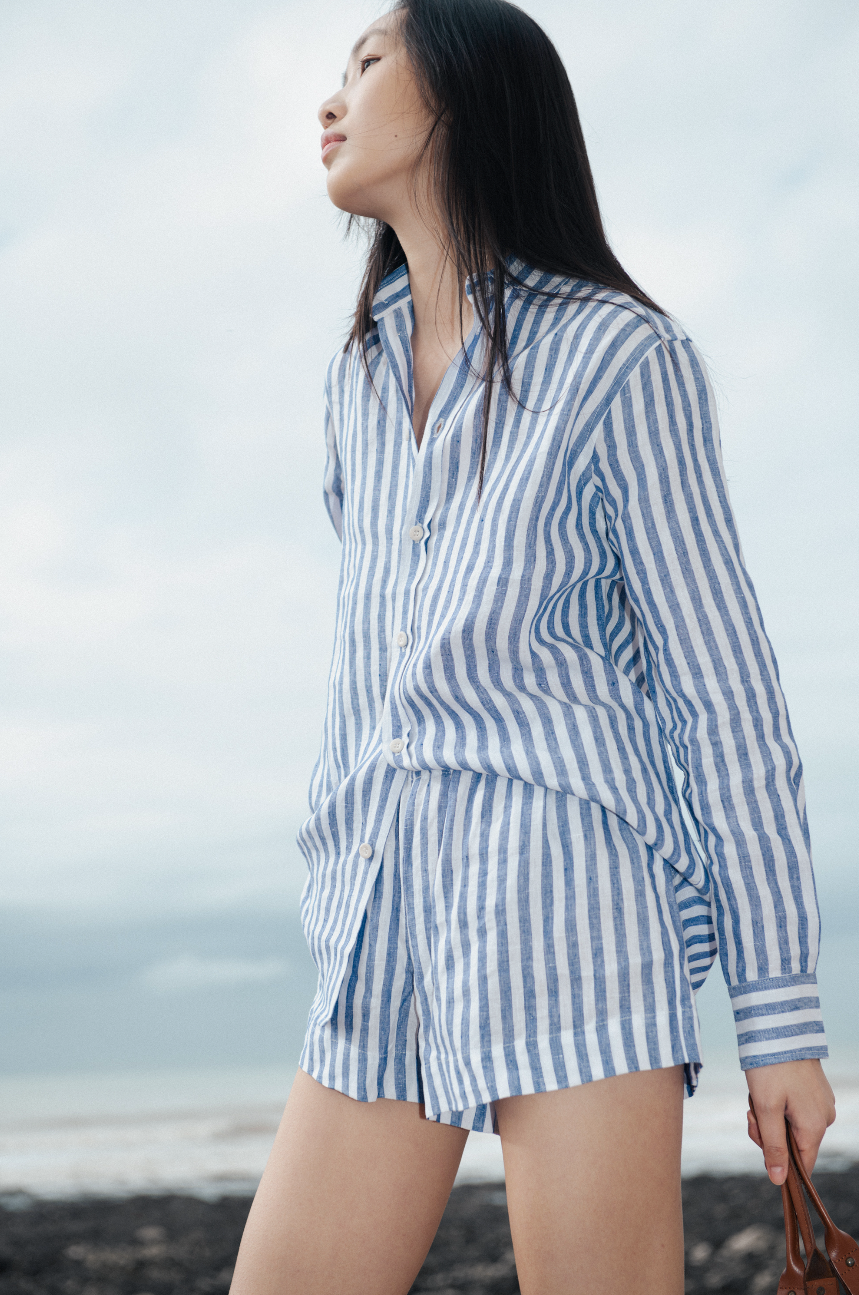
{"type": "Point", "coordinates": [517, 940]}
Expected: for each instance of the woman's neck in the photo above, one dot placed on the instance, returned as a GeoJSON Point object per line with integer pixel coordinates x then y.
{"type": "Point", "coordinates": [436, 293]}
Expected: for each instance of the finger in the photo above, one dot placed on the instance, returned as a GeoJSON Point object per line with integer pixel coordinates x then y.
{"type": "Point", "coordinates": [773, 1134]}
{"type": "Point", "coordinates": [754, 1131]}
{"type": "Point", "coordinates": [808, 1140]}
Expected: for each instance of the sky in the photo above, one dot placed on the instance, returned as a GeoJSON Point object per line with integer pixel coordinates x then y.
{"type": "Point", "coordinates": [173, 281]}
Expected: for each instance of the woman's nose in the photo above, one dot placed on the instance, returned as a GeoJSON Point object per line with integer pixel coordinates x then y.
{"type": "Point", "coordinates": [330, 112]}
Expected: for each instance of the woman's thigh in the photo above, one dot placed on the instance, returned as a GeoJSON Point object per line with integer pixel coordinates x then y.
{"type": "Point", "coordinates": [350, 1199]}
{"type": "Point", "coordinates": [593, 1186]}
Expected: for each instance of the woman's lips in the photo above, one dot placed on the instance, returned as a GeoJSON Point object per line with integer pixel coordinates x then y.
{"type": "Point", "coordinates": [328, 144]}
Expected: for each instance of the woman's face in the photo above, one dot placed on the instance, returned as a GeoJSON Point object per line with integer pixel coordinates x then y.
{"type": "Point", "coordinates": [374, 128]}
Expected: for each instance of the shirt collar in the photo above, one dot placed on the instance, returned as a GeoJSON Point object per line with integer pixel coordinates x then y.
{"type": "Point", "coordinates": [394, 290]}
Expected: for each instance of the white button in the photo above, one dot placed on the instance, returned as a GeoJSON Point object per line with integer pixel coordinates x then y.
{"type": "Point", "coordinates": [397, 745]}
{"type": "Point", "coordinates": [416, 533]}
{"type": "Point", "coordinates": [402, 639]}
{"type": "Point", "coordinates": [365, 850]}
{"type": "Point", "coordinates": [437, 428]}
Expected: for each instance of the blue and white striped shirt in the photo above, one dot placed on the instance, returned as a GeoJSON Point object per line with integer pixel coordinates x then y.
{"type": "Point", "coordinates": [587, 627]}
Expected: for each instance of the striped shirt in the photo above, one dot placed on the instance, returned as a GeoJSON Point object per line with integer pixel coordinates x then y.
{"type": "Point", "coordinates": [587, 627]}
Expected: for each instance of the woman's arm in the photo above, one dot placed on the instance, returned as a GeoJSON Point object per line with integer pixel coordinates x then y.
{"type": "Point", "coordinates": [714, 682]}
{"type": "Point", "coordinates": [333, 479]}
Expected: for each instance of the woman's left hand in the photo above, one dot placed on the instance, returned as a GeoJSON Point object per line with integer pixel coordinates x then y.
{"type": "Point", "coordinates": [800, 1091]}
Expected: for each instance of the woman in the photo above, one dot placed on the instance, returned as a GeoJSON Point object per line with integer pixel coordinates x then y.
{"type": "Point", "coordinates": [547, 644]}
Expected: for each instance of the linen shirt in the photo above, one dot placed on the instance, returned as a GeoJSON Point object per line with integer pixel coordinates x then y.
{"type": "Point", "coordinates": [587, 626]}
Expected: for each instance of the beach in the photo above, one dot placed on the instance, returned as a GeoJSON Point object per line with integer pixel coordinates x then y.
{"type": "Point", "coordinates": [179, 1245]}
{"type": "Point", "coordinates": [139, 1183]}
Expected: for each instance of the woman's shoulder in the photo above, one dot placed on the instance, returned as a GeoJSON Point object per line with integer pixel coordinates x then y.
{"type": "Point", "coordinates": [606, 337]}
{"type": "Point", "coordinates": [350, 362]}
{"type": "Point", "coordinates": [337, 373]}
{"type": "Point", "coordinates": [573, 302]}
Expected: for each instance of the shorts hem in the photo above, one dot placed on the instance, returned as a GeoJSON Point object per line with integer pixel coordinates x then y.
{"type": "Point", "coordinates": [346, 1079]}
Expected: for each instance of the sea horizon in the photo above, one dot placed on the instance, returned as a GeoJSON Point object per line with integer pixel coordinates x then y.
{"type": "Point", "coordinates": [207, 1131]}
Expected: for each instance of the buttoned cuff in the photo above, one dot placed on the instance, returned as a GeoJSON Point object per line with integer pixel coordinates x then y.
{"type": "Point", "coordinates": [778, 1020]}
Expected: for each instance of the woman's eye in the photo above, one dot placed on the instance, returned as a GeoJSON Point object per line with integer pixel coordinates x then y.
{"type": "Point", "coordinates": [365, 63]}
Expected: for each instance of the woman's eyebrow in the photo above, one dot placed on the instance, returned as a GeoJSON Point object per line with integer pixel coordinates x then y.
{"type": "Point", "coordinates": [362, 41]}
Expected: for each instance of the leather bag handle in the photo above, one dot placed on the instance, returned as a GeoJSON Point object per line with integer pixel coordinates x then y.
{"type": "Point", "coordinates": [819, 1276]}
{"type": "Point", "coordinates": [843, 1251]}
{"type": "Point", "coordinates": [793, 1278]}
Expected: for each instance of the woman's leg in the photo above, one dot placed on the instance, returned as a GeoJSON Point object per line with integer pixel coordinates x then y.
{"type": "Point", "coordinates": [350, 1199]}
{"type": "Point", "coordinates": [593, 1186]}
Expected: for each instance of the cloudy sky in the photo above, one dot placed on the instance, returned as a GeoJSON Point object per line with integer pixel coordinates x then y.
{"type": "Point", "coordinates": [172, 283]}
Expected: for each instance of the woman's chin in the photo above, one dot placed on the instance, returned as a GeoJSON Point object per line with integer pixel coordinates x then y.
{"type": "Point", "coordinates": [350, 199]}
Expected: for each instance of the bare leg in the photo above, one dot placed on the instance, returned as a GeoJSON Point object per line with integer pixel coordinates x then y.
{"type": "Point", "coordinates": [351, 1198]}
{"type": "Point", "coordinates": [593, 1186]}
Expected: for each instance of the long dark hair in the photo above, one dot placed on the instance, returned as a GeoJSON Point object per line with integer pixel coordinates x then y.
{"type": "Point", "coordinates": [509, 170]}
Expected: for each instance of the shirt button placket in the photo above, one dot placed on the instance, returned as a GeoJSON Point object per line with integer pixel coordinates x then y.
{"type": "Point", "coordinates": [416, 533]}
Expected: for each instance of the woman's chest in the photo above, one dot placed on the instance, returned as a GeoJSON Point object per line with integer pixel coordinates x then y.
{"type": "Point", "coordinates": [410, 507]}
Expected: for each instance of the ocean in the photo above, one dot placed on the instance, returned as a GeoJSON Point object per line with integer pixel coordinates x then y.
{"type": "Point", "coordinates": [207, 1132]}
{"type": "Point", "coordinates": [156, 1056]}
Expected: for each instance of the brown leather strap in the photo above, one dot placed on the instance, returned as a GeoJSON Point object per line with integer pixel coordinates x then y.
{"type": "Point", "coordinates": [819, 1276]}
{"type": "Point", "coordinates": [793, 1278]}
{"type": "Point", "coordinates": [806, 1231]}
{"type": "Point", "coordinates": [841, 1248]}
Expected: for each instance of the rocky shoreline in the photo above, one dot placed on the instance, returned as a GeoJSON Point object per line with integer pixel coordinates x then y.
{"type": "Point", "coordinates": [179, 1245]}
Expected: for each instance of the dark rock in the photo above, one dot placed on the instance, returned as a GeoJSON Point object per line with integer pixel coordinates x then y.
{"type": "Point", "coordinates": [178, 1245]}
{"type": "Point", "coordinates": [147, 1245]}
{"type": "Point", "coordinates": [472, 1253]}
{"type": "Point", "coordinates": [735, 1232]}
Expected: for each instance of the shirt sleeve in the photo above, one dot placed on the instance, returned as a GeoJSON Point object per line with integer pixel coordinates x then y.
{"type": "Point", "coordinates": [714, 682]}
{"type": "Point", "coordinates": [333, 479]}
